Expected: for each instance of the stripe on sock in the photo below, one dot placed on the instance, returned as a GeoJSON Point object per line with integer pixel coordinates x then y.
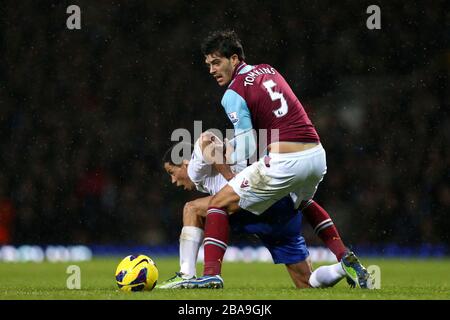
{"type": "Point", "coordinates": [215, 242]}
{"type": "Point", "coordinates": [324, 224]}
{"type": "Point", "coordinates": [307, 204]}
{"type": "Point", "coordinates": [217, 210]}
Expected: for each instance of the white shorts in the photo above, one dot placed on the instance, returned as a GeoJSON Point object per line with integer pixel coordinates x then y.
{"type": "Point", "coordinates": [297, 174]}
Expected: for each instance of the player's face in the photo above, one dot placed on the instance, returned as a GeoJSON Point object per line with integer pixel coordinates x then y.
{"type": "Point", "coordinates": [221, 68]}
{"type": "Point", "coordinates": [178, 175]}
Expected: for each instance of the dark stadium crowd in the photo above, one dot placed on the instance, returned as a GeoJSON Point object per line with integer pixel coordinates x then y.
{"type": "Point", "coordinates": [86, 115]}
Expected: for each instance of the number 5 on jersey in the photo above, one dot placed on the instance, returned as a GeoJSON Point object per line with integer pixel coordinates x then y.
{"type": "Point", "coordinates": [283, 109]}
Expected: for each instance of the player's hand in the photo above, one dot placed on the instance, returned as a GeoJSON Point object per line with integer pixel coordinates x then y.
{"type": "Point", "coordinates": [208, 137]}
{"type": "Point", "coordinates": [212, 148]}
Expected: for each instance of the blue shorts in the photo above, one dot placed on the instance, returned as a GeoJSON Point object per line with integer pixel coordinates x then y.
{"type": "Point", "coordinates": [278, 228]}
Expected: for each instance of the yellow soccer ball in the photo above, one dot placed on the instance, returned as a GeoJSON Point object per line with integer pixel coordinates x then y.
{"type": "Point", "coordinates": [136, 273]}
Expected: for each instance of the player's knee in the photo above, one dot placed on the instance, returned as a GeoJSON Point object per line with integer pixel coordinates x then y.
{"type": "Point", "coordinates": [193, 215]}
{"type": "Point", "coordinates": [189, 210]}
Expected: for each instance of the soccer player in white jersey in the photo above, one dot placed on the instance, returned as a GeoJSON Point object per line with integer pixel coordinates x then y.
{"type": "Point", "coordinates": [283, 240]}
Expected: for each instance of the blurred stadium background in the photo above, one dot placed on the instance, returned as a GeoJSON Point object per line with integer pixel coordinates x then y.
{"type": "Point", "coordinates": [86, 115]}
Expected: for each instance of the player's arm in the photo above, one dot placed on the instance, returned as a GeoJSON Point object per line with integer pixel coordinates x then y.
{"type": "Point", "coordinates": [244, 143]}
{"type": "Point", "coordinates": [213, 153]}
{"type": "Point", "coordinates": [225, 170]}
{"type": "Point", "coordinates": [198, 169]}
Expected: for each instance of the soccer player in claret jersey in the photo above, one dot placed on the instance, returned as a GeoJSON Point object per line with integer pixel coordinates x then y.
{"type": "Point", "coordinates": [259, 98]}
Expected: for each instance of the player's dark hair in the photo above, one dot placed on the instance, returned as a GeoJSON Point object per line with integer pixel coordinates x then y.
{"type": "Point", "coordinates": [178, 160]}
{"type": "Point", "coordinates": [225, 43]}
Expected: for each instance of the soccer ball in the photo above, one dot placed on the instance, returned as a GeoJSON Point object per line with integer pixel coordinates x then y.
{"type": "Point", "coordinates": [136, 273]}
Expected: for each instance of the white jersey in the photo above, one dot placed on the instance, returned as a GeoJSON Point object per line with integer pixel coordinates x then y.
{"type": "Point", "coordinates": [205, 177]}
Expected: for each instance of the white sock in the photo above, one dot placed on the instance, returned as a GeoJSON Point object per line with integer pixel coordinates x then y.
{"type": "Point", "coordinates": [326, 276]}
{"type": "Point", "coordinates": [190, 240]}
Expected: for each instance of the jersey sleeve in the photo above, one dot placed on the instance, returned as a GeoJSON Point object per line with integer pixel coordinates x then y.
{"type": "Point", "coordinates": [237, 111]}
{"type": "Point", "coordinates": [198, 169]}
{"type": "Point", "coordinates": [203, 175]}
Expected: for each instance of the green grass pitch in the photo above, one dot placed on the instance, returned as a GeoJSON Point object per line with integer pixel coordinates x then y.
{"type": "Point", "coordinates": [400, 279]}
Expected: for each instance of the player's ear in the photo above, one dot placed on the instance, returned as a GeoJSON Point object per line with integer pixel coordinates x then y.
{"type": "Point", "coordinates": [234, 60]}
{"type": "Point", "coordinates": [167, 166]}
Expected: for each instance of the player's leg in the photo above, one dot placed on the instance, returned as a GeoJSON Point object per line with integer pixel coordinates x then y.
{"type": "Point", "coordinates": [323, 277]}
{"type": "Point", "coordinates": [288, 247]}
{"type": "Point", "coordinates": [322, 223]}
{"type": "Point", "coordinates": [256, 188]}
{"type": "Point", "coordinates": [300, 273]}
{"type": "Point", "coordinates": [317, 216]}
{"type": "Point", "coordinates": [194, 212]}
{"type": "Point", "coordinates": [191, 238]}
{"type": "Point", "coordinates": [323, 227]}
{"type": "Point", "coordinates": [327, 276]}
{"type": "Point", "coordinates": [217, 229]}
{"type": "Point", "coordinates": [241, 192]}
{"type": "Point", "coordinates": [226, 199]}
{"type": "Point", "coordinates": [320, 220]}
{"type": "Point", "coordinates": [215, 243]}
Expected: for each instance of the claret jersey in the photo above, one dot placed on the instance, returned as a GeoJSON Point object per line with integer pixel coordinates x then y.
{"type": "Point", "coordinates": [258, 97]}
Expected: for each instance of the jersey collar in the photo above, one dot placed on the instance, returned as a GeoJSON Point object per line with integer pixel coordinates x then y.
{"type": "Point", "coordinates": [238, 68]}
